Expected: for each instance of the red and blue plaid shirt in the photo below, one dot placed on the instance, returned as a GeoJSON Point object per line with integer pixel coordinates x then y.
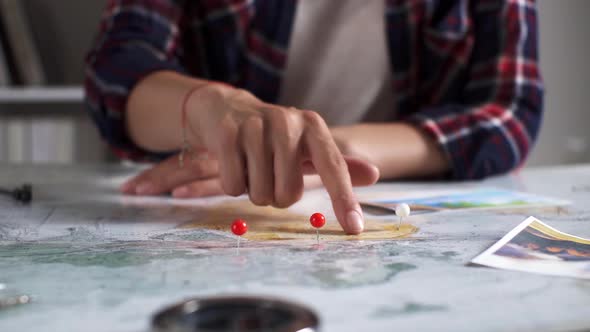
{"type": "Point", "coordinates": [465, 71]}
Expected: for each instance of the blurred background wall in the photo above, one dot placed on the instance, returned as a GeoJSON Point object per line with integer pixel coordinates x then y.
{"type": "Point", "coordinates": [63, 30]}
{"type": "Point", "coordinates": [565, 64]}
{"type": "Point", "coordinates": [55, 127]}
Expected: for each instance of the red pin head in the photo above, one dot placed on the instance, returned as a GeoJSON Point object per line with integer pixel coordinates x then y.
{"type": "Point", "coordinates": [239, 227]}
{"type": "Point", "coordinates": [317, 220]}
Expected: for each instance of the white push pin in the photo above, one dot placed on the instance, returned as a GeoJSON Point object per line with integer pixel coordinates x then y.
{"type": "Point", "coordinates": [402, 210]}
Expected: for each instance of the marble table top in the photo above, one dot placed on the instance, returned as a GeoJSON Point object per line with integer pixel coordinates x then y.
{"type": "Point", "coordinates": [93, 260]}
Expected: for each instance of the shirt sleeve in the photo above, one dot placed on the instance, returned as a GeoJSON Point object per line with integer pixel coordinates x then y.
{"type": "Point", "coordinates": [493, 127]}
{"type": "Point", "coordinates": [135, 39]}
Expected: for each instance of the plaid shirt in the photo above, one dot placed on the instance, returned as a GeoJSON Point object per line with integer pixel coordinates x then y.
{"type": "Point", "coordinates": [466, 72]}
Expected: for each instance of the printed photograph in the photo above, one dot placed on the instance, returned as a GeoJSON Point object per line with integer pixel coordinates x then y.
{"type": "Point", "coordinates": [534, 246]}
{"type": "Point", "coordinates": [535, 243]}
{"type": "Point", "coordinates": [481, 198]}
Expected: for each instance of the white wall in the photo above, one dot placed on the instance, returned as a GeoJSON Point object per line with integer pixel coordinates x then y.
{"type": "Point", "coordinates": [565, 64]}
{"type": "Point", "coordinates": [64, 30]}
{"type": "Point", "coordinates": [59, 132]}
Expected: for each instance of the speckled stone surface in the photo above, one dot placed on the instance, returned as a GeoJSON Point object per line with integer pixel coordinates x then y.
{"type": "Point", "coordinates": [93, 260]}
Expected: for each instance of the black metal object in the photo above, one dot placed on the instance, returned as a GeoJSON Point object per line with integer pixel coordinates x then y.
{"type": "Point", "coordinates": [235, 314]}
{"type": "Point", "coordinates": [23, 194]}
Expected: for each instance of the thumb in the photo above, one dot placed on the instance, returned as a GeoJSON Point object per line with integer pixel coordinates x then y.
{"type": "Point", "coordinates": [362, 173]}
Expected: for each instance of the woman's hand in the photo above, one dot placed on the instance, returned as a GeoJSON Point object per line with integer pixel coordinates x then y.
{"type": "Point", "coordinates": [262, 149]}
{"type": "Point", "coordinates": [200, 178]}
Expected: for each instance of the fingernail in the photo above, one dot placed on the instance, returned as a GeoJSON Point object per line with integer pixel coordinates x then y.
{"type": "Point", "coordinates": [144, 188]}
{"type": "Point", "coordinates": [354, 220]}
{"type": "Point", "coordinates": [180, 192]}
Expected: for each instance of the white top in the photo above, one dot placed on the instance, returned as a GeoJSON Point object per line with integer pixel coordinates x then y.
{"type": "Point", "coordinates": [338, 61]}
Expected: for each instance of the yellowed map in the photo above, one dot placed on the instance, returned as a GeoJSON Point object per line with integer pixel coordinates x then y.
{"type": "Point", "coordinates": [271, 224]}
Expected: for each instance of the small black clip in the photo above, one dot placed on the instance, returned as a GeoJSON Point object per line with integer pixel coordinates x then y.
{"type": "Point", "coordinates": [23, 194]}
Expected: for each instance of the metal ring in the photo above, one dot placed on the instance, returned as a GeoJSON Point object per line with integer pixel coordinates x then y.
{"type": "Point", "coordinates": [235, 314]}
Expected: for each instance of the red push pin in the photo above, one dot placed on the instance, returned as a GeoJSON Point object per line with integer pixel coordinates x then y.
{"type": "Point", "coordinates": [318, 221]}
{"type": "Point", "coordinates": [239, 228]}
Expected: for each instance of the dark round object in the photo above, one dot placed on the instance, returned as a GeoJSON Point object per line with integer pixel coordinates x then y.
{"type": "Point", "coordinates": [235, 314]}
{"type": "Point", "coordinates": [23, 194]}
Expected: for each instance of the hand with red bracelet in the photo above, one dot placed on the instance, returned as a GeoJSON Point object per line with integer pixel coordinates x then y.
{"type": "Point", "coordinates": [260, 149]}
{"type": "Point", "coordinates": [200, 177]}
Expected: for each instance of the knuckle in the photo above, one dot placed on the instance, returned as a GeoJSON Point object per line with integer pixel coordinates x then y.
{"type": "Point", "coordinates": [243, 93]}
{"type": "Point", "coordinates": [226, 120]}
{"type": "Point", "coordinates": [253, 124]}
{"type": "Point", "coordinates": [280, 117]}
{"type": "Point", "coordinates": [286, 200]}
{"type": "Point", "coordinates": [261, 193]}
{"type": "Point", "coordinates": [313, 119]}
{"type": "Point", "coordinates": [260, 199]}
{"type": "Point", "coordinates": [285, 125]}
{"type": "Point", "coordinates": [212, 91]}
{"type": "Point", "coordinates": [233, 189]}
{"type": "Point", "coordinates": [348, 148]}
{"type": "Point", "coordinates": [283, 203]}
{"type": "Point", "coordinates": [290, 195]}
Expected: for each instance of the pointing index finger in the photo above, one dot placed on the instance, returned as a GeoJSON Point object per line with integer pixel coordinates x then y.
{"type": "Point", "coordinates": [332, 169]}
